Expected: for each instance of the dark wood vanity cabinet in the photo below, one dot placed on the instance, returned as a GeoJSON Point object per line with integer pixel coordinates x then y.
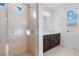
{"type": "Point", "coordinates": [50, 41]}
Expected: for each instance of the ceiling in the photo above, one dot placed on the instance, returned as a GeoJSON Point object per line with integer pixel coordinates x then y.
{"type": "Point", "coordinates": [52, 5]}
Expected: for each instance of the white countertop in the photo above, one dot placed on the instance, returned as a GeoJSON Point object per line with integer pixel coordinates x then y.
{"type": "Point", "coordinates": [47, 33]}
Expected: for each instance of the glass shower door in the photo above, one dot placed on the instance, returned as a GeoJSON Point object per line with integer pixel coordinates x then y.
{"type": "Point", "coordinates": [18, 29]}
{"type": "Point", "coordinates": [17, 23]}
{"type": "Point", "coordinates": [3, 30]}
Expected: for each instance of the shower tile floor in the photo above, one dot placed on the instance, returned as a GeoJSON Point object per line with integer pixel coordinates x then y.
{"type": "Point", "coordinates": [25, 54]}
{"type": "Point", "coordinates": [61, 51]}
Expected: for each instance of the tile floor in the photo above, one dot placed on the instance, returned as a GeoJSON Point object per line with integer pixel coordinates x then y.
{"type": "Point", "coordinates": [61, 51]}
{"type": "Point", "coordinates": [25, 54]}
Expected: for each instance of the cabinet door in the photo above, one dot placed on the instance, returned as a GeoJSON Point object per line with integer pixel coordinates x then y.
{"type": "Point", "coordinates": [57, 39]}
{"type": "Point", "coordinates": [52, 41]}
{"type": "Point", "coordinates": [46, 43]}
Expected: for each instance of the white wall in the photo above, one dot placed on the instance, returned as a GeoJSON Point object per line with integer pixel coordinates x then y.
{"type": "Point", "coordinates": [49, 26]}
{"type": "Point", "coordinates": [70, 39]}
{"type": "Point", "coordinates": [41, 31]}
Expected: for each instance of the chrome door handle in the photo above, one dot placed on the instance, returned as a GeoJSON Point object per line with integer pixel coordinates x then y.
{"type": "Point", "coordinates": [29, 32]}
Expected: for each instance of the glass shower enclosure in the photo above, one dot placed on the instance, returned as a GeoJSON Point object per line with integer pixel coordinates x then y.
{"type": "Point", "coordinates": [18, 29]}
